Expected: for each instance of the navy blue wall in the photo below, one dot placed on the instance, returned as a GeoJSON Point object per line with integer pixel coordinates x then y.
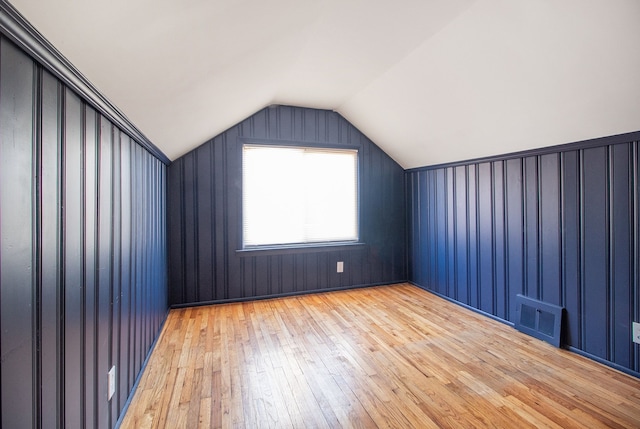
{"type": "Point", "coordinates": [559, 225]}
{"type": "Point", "coordinates": [82, 257]}
{"type": "Point", "coordinates": [204, 216]}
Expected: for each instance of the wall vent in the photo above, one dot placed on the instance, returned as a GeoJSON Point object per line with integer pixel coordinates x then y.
{"type": "Point", "coordinates": [539, 319]}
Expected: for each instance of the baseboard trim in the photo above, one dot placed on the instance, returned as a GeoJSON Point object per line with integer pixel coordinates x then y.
{"type": "Point", "coordinates": [136, 383]}
{"type": "Point", "coordinates": [604, 362]}
{"type": "Point", "coordinates": [475, 310]}
{"type": "Point", "coordinates": [282, 295]}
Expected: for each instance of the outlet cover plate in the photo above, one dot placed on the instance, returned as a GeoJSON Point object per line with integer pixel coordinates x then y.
{"type": "Point", "coordinates": [636, 332]}
{"type": "Point", "coordinates": [340, 267]}
{"type": "Point", "coordinates": [111, 381]}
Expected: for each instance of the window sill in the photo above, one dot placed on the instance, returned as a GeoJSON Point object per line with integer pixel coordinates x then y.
{"type": "Point", "coordinates": [299, 248]}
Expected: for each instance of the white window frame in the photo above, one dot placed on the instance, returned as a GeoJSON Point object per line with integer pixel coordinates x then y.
{"type": "Point", "coordinates": [350, 232]}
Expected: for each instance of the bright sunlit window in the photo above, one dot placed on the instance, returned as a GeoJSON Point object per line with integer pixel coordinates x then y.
{"type": "Point", "coordinates": [294, 195]}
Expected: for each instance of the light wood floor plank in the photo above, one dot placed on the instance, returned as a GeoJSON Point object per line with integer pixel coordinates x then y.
{"type": "Point", "coordinates": [389, 356]}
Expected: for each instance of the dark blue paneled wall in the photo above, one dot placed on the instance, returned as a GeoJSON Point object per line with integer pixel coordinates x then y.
{"type": "Point", "coordinates": [559, 225]}
{"type": "Point", "coordinates": [204, 215]}
{"type": "Point", "coordinates": [82, 254]}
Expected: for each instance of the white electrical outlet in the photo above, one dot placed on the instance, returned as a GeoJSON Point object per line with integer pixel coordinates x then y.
{"type": "Point", "coordinates": [340, 267]}
{"type": "Point", "coordinates": [111, 381]}
{"type": "Point", "coordinates": [636, 332]}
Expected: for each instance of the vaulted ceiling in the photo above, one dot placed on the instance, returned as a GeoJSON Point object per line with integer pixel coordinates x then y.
{"type": "Point", "coordinates": [429, 81]}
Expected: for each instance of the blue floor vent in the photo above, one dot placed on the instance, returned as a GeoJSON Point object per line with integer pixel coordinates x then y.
{"type": "Point", "coordinates": [539, 319]}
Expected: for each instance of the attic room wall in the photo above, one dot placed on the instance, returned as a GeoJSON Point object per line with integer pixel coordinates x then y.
{"type": "Point", "coordinates": [82, 256]}
{"type": "Point", "coordinates": [204, 216]}
{"type": "Point", "coordinates": [559, 225]}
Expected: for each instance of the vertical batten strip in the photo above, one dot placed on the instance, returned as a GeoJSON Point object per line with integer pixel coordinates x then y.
{"type": "Point", "coordinates": [559, 201]}
{"type": "Point", "coordinates": [456, 267]}
{"type": "Point", "coordinates": [414, 226]}
{"type": "Point", "coordinates": [523, 226]}
{"type": "Point", "coordinates": [183, 243]}
{"type": "Point", "coordinates": [419, 190]}
{"type": "Point", "coordinates": [630, 292]}
{"type": "Point", "coordinates": [635, 299]}
{"type": "Point", "coordinates": [212, 221]}
{"type": "Point", "coordinates": [540, 243]}
{"type": "Point", "coordinates": [479, 283]}
{"type": "Point", "coordinates": [144, 248]}
{"type": "Point", "coordinates": [1, 233]}
{"type": "Point", "coordinates": [468, 191]}
{"type": "Point", "coordinates": [214, 224]}
{"type": "Point", "coordinates": [116, 274]}
{"type": "Point", "coordinates": [453, 264]}
{"type": "Point", "coordinates": [88, 325]}
{"type": "Point", "coordinates": [62, 406]}
{"type": "Point", "coordinates": [563, 238]}
{"type": "Point", "coordinates": [84, 326]}
{"type": "Point", "coordinates": [581, 211]}
{"type": "Point", "coordinates": [418, 265]}
{"type": "Point", "coordinates": [196, 229]}
{"type": "Point", "coordinates": [525, 233]}
{"type": "Point", "coordinates": [134, 336]}
{"type": "Point", "coordinates": [425, 221]}
{"type": "Point", "coordinates": [224, 167]}
{"type": "Point", "coordinates": [36, 195]}
{"type": "Point", "coordinates": [93, 142]}
{"type": "Point", "coordinates": [435, 231]}
{"type": "Point", "coordinates": [494, 259]}
{"type": "Point", "coordinates": [60, 268]}
{"type": "Point", "coordinates": [610, 308]}
{"type": "Point", "coordinates": [507, 242]}
{"type": "Point", "coordinates": [505, 239]}
{"type": "Point", "coordinates": [539, 230]}
{"type": "Point", "coordinates": [445, 201]}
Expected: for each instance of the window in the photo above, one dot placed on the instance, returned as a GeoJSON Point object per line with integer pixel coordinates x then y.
{"type": "Point", "coordinates": [298, 195]}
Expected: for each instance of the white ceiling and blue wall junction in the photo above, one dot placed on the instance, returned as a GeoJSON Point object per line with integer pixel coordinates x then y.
{"type": "Point", "coordinates": [429, 81]}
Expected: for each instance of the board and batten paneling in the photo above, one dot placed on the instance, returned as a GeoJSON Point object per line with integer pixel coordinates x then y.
{"type": "Point", "coordinates": [82, 260]}
{"type": "Point", "coordinates": [558, 224]}
{"type": "Point", "coordinates": [204, 216]}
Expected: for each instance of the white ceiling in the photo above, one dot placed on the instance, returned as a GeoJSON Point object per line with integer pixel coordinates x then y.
{"type": "Point", "coordinates": [429, 81]}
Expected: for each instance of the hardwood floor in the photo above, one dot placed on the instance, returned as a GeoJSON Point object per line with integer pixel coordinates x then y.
{"type": "Point", "coordinates": [389, 356]}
